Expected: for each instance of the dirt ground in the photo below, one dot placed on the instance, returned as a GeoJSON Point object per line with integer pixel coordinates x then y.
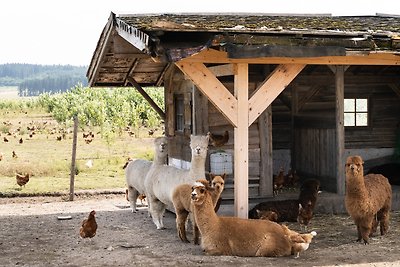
{"type": "Point", "coordinates": [32, 235]}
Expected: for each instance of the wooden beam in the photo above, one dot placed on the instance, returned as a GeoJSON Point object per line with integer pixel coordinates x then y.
{"type": "Point", "coordinates": [147, 97]}
{"type": "Point", "coordinates": [271, 88]}
{"type": "Point", "coordinates": [241, 142]}
{"type": "Point", "coordinates": [222, 70]}
{"type": "Point", "coordinates": [340, 155]}
{"type": "Point", "coordinates": [370, 58]}
{"type": "Point", "coordinates": [294, 111]}
{"type": "Point", "coordinates": [266, 162]}
{"type": "Point", "coordinates": [210, 86]}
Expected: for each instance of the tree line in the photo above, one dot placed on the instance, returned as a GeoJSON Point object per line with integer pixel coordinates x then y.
{"type": "Point", "coordinates": [33, 79]}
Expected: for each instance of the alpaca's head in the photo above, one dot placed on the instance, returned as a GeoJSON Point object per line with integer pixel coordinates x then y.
{"type": "Point", "coordinates": [199, 192]}
{"type": "Point", "coordinates": [199, 145]}
{"type": "Point", "coordinates": [205, 182]}
{"type": "Point", "coordinates": [218, 182]}
{"type": "Point", "coordinates": [354, 166]}
{"type": "Point", "coordinates": [160, 145]}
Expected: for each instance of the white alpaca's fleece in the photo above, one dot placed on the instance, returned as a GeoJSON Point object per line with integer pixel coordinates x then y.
{"type": "Point", "coordinates": [136, 171]}
{"type": "Point", "coordinates": [161, 181]}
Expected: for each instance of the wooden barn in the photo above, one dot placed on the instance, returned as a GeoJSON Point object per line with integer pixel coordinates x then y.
{"type": "Point", "coordinates": [297, 92]}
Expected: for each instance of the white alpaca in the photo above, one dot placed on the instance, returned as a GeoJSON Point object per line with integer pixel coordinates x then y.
{"type": "Point", "coordinates": [161, 181]}
{"type": "Point", "coordinates": [136, 171]}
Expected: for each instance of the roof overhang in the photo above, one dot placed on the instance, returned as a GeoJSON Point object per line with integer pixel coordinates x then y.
{"type": "Point", "coordinates": [141, 47]}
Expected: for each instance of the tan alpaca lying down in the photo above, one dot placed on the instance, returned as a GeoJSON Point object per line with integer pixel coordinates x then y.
{"type": "Point", "coordinates": [236, 236]}
{"type": "Point", "coordinates": [181, 198]}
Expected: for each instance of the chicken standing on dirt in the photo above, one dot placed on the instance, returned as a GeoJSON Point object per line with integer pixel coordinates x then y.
{"type": "Point", "coordinates": [89, 226]}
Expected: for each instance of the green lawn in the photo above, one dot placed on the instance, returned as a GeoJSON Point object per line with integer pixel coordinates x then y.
{"type": "Point", "coordinates": [49, 159]}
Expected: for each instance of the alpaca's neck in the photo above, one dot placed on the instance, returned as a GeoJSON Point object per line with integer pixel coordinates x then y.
{"type": "Point", "coordinates": [197, 167]}
{"type": "Point", "coordinates": [206, 218]}
{"type": "Point", "coordinates": [215, 194]}
{"type": "Point", "coordinates": [159, 159]}
{"type": "Point", "coordinates": [355, 186]}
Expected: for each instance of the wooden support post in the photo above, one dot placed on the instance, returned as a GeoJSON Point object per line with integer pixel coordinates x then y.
{"type": "Point", "coordinates": [241, 141]}
{"type": "Point", "coordinates": [73, 163]}
{"type": "Point", "coordinates": [266, 165]}
{"type": "Point", "coordinates": [340, 160]}
{"type": "Point", "coordinates": [294, 111]}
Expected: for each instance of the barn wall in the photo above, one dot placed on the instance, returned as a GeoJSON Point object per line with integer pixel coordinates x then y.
{"type": "Point", "coordinates": [314, 123]}
{"type": "Point", "coordinates": [314, 135]}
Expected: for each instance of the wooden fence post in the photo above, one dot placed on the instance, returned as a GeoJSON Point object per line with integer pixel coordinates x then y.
{"type": "Point", "coordinates": [73, 163]}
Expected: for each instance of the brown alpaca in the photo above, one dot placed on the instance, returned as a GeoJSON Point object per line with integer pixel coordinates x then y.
{"type": "Point", "coordinates": [233, 236]}
{"type": "Point", "coordinates": [368, 199]}
{"type": "Point", "coordinates": [183, 207]}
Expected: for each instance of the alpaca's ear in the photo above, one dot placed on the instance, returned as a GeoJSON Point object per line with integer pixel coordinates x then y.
{"type": "Point", "coordinates": [258, 212]}
{"type": "Point", "coordinates": [300, 206]}
{"type": "Point", "coordinates": [210, 176]}
{"type": "Point", "coordinates": [223, 176]}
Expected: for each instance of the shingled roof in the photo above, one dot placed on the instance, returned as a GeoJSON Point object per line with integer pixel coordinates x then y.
{"type": "Point", "coordinates": [142, 46]}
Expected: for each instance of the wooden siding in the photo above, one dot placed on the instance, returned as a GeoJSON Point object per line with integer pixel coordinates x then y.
{"type": "Point", "coordinates": [313, 139]}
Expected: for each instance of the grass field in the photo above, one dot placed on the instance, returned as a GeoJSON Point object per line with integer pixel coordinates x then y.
{"type": "Point", "coordinates": [48, 159]}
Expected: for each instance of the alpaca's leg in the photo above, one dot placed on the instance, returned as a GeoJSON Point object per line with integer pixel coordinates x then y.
{"type": "Point", "coordinates": [157, 210]}
{"type": "Point", "coordinates": [383, 218]}
{"type": "Point", "coordinates": [181, 216]}
{"type": "Point", "coordinates": [374, 225]}
{"type": "Point", "coordinates": [365, 228]}
{"type": "Point", "coordinates": [271, 249]}
{"type": "Point", "coordinates": [132, 196]}
{"type": "Point", "coordinates": [359, 237]}
{"type": "Point", "coordinates": [196, 232]}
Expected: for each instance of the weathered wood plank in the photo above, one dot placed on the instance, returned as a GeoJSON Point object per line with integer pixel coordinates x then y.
{"type": "Point", "coordinates": [370, 58]}
{"type": "Point", "coordinates": [266, 162]}
{"type": "Point", "coordinates": [340, 155]}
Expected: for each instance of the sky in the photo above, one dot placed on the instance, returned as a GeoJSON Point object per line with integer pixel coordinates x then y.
{"type": "Point", "coordinates": [65, 32]}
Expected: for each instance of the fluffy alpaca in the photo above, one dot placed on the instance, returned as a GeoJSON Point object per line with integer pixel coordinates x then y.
{"type": "Point", "coordinates": [183, 207]}
{"type": "Point", "coordinates": [368, 199]}
{"type": "Point", "coordinates": [136, 171]}
{"type": "Point", "coordinates": [233, 236]}
{"type": "Point", "coordinates": [161, 181]}
{"type": "Point", "coordinates": [300, 242]}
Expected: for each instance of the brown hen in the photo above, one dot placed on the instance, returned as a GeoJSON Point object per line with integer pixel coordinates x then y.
{"type": "Point", "coordinates": [89, 226]}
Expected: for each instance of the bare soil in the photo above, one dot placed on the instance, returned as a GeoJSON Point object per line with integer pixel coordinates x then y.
{"type": "Point", "coordinates": [32, 235]}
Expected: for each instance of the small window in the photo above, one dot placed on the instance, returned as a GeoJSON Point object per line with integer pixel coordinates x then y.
{"type": "Point", "coordinates": [179, 113]}
{"type": "Point", "coordinates": [356, 112]}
